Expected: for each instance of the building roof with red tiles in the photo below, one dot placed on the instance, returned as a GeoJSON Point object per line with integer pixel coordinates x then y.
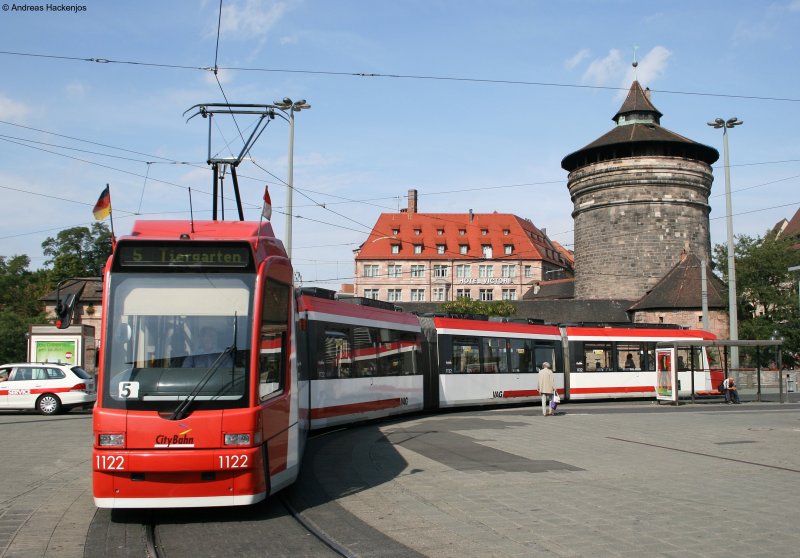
{"type": "Point", "coordinates": [459, 236]}
{"type": "Point", "coordinates": [793, 228]}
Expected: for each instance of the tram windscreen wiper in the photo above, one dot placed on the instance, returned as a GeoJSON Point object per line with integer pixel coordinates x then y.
{"type": "Point", "coordinates": [183, 406]}
{"type": "Point", "coordinates": [180, 410]}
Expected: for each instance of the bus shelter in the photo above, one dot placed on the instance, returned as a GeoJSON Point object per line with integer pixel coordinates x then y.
{"type": "Point", "coordinates": [668, 385]}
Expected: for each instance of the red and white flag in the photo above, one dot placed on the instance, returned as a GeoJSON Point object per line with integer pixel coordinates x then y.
{"type": "Point", "coordinates": [267, 211]}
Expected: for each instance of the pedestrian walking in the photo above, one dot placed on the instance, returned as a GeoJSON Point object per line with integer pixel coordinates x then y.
{"type": "Point", "coordinates": [546, 387]}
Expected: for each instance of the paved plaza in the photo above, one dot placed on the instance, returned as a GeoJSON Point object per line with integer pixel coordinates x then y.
{"type": "Point", "coordinates": [610, 479]}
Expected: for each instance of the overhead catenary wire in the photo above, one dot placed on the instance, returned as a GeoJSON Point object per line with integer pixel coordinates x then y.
{"type": "Point", "coordinates": [464, 79]}
{"type": "Point", "coordinates": [314, 202]}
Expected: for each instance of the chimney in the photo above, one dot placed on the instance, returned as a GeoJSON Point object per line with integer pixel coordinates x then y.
{"type": "Point", "coordinates": [412, 201]}
{"type": "Point", "coordinates": [470, 216]}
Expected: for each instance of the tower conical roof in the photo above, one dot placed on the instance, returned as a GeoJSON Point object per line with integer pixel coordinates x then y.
{"type": "Point", "coordinates": [638, 131]}
{"type": "Point", "coordinates": [637, 103]}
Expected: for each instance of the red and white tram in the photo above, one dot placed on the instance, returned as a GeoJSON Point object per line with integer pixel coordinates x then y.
{"type": "Point", "coordinates": [213, 368]}
{"type": "Point", "coordinates": [365, 360]}
{"type": "Point", "coordinates": [226, 426]}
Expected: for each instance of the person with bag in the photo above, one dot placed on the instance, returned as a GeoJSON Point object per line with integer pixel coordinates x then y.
{"type": "Point", "coordinates": [546, 388]}
{"type": "Point", "coordinates": [731, 393]}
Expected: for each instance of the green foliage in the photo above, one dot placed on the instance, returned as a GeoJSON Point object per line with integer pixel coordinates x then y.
{"type": "Point", "coordinates": [465, 305]}
{"type": "Point", "coordinates": [767, 297]}
{"type": "Point", "coordinates": [20, 290]}
{"type": "Point", "coordinates": [78, 252]}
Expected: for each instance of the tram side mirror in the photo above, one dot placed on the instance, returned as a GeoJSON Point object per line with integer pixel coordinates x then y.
{"type": "Point", "coordinates": [64, 310]}
{"type": "Point", "coordinates": [122, 333]}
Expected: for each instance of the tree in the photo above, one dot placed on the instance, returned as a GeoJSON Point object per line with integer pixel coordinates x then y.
{"type": "Point", "coordinates": [78, 252]}
{"type": "Point", "coordinates": [766, 291]}
{"type": "Point", "coordinates": [20, 290]}
{"type": "Point", "coordinates": [465, 305]}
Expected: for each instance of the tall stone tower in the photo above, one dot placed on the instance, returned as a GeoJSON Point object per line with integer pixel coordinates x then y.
{"type": "Point", "coordinates": [640, 195]}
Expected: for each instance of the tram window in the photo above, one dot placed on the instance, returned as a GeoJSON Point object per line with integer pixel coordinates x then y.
{"type": "Point", "coordinates": [397, 352]}
{"type": "Point", "coordinates": [689, 358]}
{"type": "Point", "coordinates": [714, 360]}
{"type": "Point", "coordinates": [274, 326]}
{"type": "Point", "coordinates": [364, 351]}
{"type": "Point", "coordinates": [630, 356]}
{"type": "Point", "coordinates": [522, 356]}
{"type": "Point", "coordinates": [466, 359]}
{"type": "Point", "coordinates": [270, 363]}
{"type": "Point", "coordinates": [650, 350]}
{"type": "Point", "coordinates": [545, 353]}
{"type": "Point", "coordinates": [335, 353]}
{"type": "Point", "coordinates": [495, 359]}
{"type": "Point", "coordinates": [598, 357]}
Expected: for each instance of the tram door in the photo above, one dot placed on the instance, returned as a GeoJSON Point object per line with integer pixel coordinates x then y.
{"type": "Point", "coordinates": [666, 375]}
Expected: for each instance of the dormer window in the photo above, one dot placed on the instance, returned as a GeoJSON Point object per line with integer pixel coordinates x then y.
{"type": "Point", "coordinates": [440, 232]}
{"type": "Point", "coordinates": [395, 232]}
{"type": "Point", "coordinates": [484, 232]}
{"type": "Point", "coordinates": [506, 232]}
{"type": "Point", "coordinates": [417, 232]}
{"type": "Point", "coordinates": [395, 248]}
{"type": "Point", "coordinates": [440, 248]}
{"type": "Point", "coordinates": [462, 232]}
{"type": "Point", "coordinates": [418, 248]}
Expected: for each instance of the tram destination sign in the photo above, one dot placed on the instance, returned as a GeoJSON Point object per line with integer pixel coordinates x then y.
{"type": "Point", "coordinates": [184, 255]}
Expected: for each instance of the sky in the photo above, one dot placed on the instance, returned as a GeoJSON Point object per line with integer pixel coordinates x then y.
{"type": "Point", "coordinates": [472, 103]}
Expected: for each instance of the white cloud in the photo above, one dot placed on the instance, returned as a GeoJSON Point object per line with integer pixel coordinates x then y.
{"type": "Point", "coordinates": [652, 67]}
{"type": "Point", "coordinates": [604, 71]}
{"type": "Point", "coordinates": [223, 76]}
{"type": "Point", "coordinates": [77, 89]}
{"type": "Point", "coordinates": [249, 19]}
{"type": "Point", "coordinates": [13, 111]}
{"type": "Point", "coordinates": [578, 58]}
{"type": "Point", "coordinates": [614, 70]}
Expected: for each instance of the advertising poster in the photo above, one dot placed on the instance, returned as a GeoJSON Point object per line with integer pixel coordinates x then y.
{"type": "Point", "coordinates": [57, 351]}
{"type": "Point", "coordinates": [664, 363]}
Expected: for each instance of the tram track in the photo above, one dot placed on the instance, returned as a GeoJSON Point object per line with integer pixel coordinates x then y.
{"type": "Point", "coordinates": [154, 547]}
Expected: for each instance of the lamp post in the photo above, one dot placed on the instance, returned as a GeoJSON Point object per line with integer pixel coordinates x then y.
{"type": "Point", "coordinates": [291, 107]}
{"type": "Point", "coordinates": [732, 308]}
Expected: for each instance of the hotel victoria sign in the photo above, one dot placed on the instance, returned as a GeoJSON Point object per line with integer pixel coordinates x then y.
{"type": "Point", "coordinates": [484, 281]}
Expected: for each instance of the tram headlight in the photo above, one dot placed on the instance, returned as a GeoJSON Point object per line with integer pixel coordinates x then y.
{"type": "Point", "coordinates": [111, 440]}
{"type": "Point", "coordinates": [243, 439]}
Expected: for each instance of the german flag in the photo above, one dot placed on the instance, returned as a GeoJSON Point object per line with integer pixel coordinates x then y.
{"type": "Point", "coordinates": [102, 208]}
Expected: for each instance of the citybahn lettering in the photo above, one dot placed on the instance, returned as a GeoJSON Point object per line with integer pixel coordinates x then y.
{"type": "Point", "coordinates": [163, 441]}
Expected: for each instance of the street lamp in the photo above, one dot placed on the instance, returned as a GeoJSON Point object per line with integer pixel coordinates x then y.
{"type": "Point", "coordinates": [732, 308]}
{"type": "Point", "coordinates": [287, 105]}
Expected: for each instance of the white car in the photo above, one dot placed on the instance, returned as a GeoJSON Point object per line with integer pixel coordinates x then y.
{"type": "Point", "coordinates": [45, 386]}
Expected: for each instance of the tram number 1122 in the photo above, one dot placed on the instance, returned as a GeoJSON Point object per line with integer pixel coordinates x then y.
{"type": "Point", "coordinates": [233, 461]}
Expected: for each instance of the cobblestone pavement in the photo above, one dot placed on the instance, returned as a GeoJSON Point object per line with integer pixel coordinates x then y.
{"type": "Point", "coordinates": [46, 503]}
{"type": "Point", "coordinates": [611, 479]}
